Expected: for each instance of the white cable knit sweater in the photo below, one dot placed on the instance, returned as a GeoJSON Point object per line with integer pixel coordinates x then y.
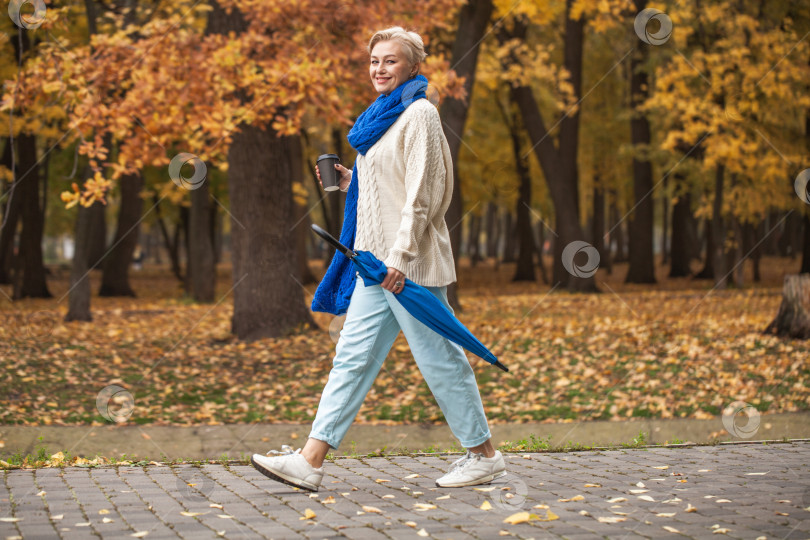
{"type": "Point", "coordinates": [405, 183]}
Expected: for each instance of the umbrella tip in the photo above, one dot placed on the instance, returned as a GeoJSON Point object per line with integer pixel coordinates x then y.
{"type": "Point", "coordinates": [498, 365]}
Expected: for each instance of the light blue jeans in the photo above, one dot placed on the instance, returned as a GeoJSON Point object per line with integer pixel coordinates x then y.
{"type": "Point", "coordinates": [373, 321]}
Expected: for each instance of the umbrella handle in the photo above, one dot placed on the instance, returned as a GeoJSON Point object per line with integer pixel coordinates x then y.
{"type": "Point", "coordinates": [333, 241]}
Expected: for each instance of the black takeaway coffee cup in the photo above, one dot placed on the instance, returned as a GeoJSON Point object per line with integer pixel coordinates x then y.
{"type": "Point", "coordinates": [330, 176]}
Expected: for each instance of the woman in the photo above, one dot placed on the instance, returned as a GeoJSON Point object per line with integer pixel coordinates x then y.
{"type": "Point", "coordinates": [398, 193]}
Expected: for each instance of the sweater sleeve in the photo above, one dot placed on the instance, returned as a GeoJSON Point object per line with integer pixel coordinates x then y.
{"type": "Point", "coordinates": [425, 175]}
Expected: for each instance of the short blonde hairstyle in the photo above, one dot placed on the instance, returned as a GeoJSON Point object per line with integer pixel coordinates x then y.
{"type": "Point", "coordinates": [412, 44]}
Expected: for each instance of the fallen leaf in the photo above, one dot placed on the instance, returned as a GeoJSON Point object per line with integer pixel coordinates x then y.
{"type": "Point", "coordinates": [572, 499]}
{"type": "Point", "coordinates": [485, 490]}
{"type": "Point", "coordinates": [103, 511]}
{"type": "Point", "coordinates": [226, 516]}
{"type": "Point", "coordinates": [215, 505]}
{"type": "Point", "coordinates": [139, 534]}
{"type": "Point", "coordinates": [422, 532]}
{"type": "Point", "coordinates": [422, 507]}
{"type": "Point", "coordinates": [382, 480]}
{"type": "Point", "coordinates": [42, 493]}
{"type": "Point", "coordinates": [636, 491]}
{"type": "Point", "coordinates": [721, 530]}
{"type": "Point", "coordinates": [389, 496]}
{"type": "Point", "coordinates": [671, 529]}
{"type": "Point", "coordinates": [593, 485]}
{"type": "Point", "coordinates": [443, 498]}
{"type": "Point", "coordinates": [690, 508]}
{"type": "Point", "coordinates": [308, 514]}
{"type": "Point", "coordinates": [662, 467]}
{"type": "Point", "coordinates": [191, 514]}
{"type": "Point", "coordinates": [411, 476]}
{"type": "Point", "coordinates": [58, 517]}
{"type": "Point", "coordinates": [372, 509]}
{"type": "Point", "coordinates": [410, 524]}
{"type": "Point", "coordinates": [520, 517]}
{"type": "Point", "coordinates": [485, 506]}
{"type": "Point", "coordinates": [722, 501]}
{"type": "Point", "coordinates": [617, 500]}
{"type": "Point", "coordinates": [10, 519]}
{"type": "Point", "coordinates": [640, 484]}
{"type": "Point", "coordinates": [757, 473]}
{"type": "Point", "coordinates": [610, 519]}
{"type": "Point", "coordinates": [107, 520]}
{"type": "Point", "coordinates": [329, 500]}
{"type": "Point", "coordinates": [666, 514]}
{"type": "Point", "coordinates": [646, 498]}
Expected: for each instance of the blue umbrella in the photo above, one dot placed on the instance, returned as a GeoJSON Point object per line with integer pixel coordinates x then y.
{"type": "Point", "coordinates": [419, 301]}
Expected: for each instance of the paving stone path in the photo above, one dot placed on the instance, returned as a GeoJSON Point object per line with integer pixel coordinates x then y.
{"type": "Point", "coordinates": [740, 491]}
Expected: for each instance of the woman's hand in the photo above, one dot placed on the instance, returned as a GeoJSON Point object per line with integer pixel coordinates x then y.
{"type": "Point", "coordinates": [345, 176]}
{"type": "Point", "coordinates": [394, 281]}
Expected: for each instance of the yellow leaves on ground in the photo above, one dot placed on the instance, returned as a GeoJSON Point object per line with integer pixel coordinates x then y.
{"type": "Point", "coordinates": [308, 514]}
{"type": "Point", "coordinates": [617, 363]}
{"type": "Point", "coordinates": [525, 517]}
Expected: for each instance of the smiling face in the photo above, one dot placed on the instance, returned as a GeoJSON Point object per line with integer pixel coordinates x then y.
{"type": "Point", "coordinates": [389, 67]}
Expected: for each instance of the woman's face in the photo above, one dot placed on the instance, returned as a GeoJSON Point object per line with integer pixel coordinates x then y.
{"type": "Point", "coordinates": [389, 66]}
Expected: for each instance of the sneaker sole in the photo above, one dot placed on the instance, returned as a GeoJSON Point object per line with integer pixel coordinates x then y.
{"type": "Point", "coordinates": [479, 481]}
{"type": "Point", "coordinates": [278, 477]}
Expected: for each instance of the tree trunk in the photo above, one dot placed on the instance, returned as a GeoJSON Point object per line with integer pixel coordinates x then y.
{"type": "Point", "coordinates": [474, 239]}
{"type": "Point", "coordinates": [708, 265]}
{"type": "Point", "coordinates": [681, 253]}
{"type": "Point", "coordinates": [79, 294]}
{"type": "Point", "coordinates": [491, 228]}
{"type": "Point", "coordinates": [115, 275]}
{"type": "Point", "coordinates": [718, 232]}
{"type": "Point", "coordinates": [473, 20]}
{"type": "Point", "coordinates": [97, 240]}
{"type": "Point", "coordinates": [8, 225]}
{"type": "Point", "coordinates": [541, 236]}
{"type": "Point", "coordinates": [524, 271]}
{"type": "Point", "coordinates": [201, 267]}
{"type": "Point", "coordinates": [268, 302]}
{"type": "Point", "coordinates": [171, 244]}
{"type": "Point", "coordinates": [31, 284]}
{"type": "Point", "coordinates": [642, 261]}
{"type": "Point", "coordinates": [806, 245]}
{"type": "Point", "coordinates": [559, 164]}
{"type": "Point", "coordinates": [793, 318]}
{"type": "Point", "coordinates": [617, 230]}
{"type": "Point", "coordinates": [509, 245]}
{"type": "Point", "coordinates": [665, 223]}
{"type": "Point", "coordinates": [598, 221]}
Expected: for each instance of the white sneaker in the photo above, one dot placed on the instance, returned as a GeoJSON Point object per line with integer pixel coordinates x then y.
{"type": "Point", "coordinates": [289, 467]}
{"type": "Point", "coordinates": [473, 469]}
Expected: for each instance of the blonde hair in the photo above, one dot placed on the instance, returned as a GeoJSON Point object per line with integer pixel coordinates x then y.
{"type": "Point", "coordinates": [412, 44]}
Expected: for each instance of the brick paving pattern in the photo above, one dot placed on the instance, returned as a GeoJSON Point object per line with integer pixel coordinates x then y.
{"type": "Point", "coordinates": [741, 491]}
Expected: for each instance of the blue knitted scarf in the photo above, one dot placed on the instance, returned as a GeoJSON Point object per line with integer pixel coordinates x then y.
{"type": "Point", "coordinates": [335, 289]}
